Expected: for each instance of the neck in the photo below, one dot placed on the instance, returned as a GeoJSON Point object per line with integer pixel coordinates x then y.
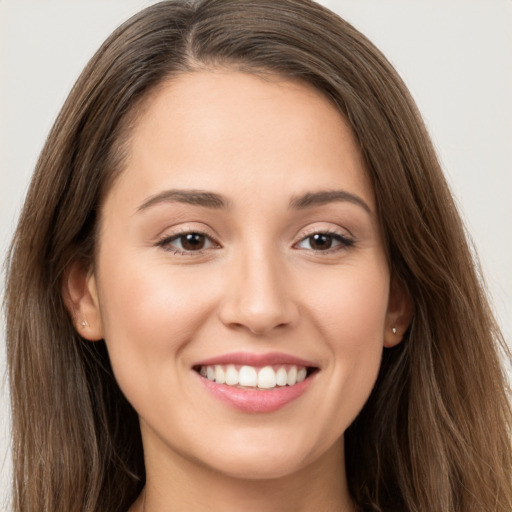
{"type": "Point", "coordinates": [179, 484]}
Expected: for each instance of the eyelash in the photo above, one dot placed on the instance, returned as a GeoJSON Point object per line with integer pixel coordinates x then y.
{"type": "Point", "coordinates": [344, 242]}
{"type": "Point", "coordinates": [165, 243]}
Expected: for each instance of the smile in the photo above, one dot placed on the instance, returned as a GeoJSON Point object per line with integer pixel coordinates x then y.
{"type": "Point", "coordinates": [267, 377]}
{"type": "Point", "coordinates": [256, 383]}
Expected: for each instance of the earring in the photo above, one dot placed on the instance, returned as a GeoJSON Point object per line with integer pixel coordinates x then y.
{"type": "Point", "coordinates": [84, 323]}
{"type": "Point", "coordinates": [394, 330]}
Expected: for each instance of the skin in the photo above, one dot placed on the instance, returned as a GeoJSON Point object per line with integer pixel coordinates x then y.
{"type": "Point", "coordinates": [259, 284]}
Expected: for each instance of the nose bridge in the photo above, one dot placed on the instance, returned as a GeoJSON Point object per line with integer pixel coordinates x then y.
{"type": "Point", "coordinates": [258, 297]}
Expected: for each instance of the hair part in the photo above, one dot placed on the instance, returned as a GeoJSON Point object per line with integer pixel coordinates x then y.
{"type": "Point", "coordinates": [435, 433]}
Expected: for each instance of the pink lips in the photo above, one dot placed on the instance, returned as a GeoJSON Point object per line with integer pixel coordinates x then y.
{"type": "Point", "coordinates": [246, 358]}
{"type": "Point", "coordinates": [256, 400]}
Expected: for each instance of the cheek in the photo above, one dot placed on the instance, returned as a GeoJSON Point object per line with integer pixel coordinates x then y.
{"type": "Point", "coordinates": [149, 313]}
{"type": "Point", "coordinates": [351, 316]}
{"type": "Point", "coordinates": [350, 303]}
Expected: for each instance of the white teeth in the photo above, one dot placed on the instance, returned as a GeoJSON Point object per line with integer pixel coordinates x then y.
{"type": "Point", "coordinates": [281, 377]}
{"type": "Point", "coordinates": [251, 377]}
{"type": "Point", "coordinates": [248, 376]}
{"type": "Point", "coordinates": [231, 376]}
{"type": "Point", "coordinates": [292, 376]}
{"type": "Point", "coordinates": [301, 374]}
{"type": "Point", "coordinates": [267, 378]}
{"type": "Point", "coordinates": [220, 375]}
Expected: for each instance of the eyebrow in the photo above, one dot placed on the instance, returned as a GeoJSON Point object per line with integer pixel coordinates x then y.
{"type": "Point", "coordinates": [194, 197]}
{"type": "Point", "coordinates": [217, 201]}
{"type": "Point", "coordinates": [311, 199]}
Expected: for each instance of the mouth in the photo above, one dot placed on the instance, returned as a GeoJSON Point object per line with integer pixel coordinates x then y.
{"type": "Point", "coordinates": [255, 383]}
{"type": "Point", "coordinates": [253, 377]}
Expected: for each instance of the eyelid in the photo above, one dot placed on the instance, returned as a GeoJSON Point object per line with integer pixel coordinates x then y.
{"type": "Point", "coordinates": [346, 240]}
{"type": "Point", "coordinates": [344, 236]}
{"type": "Point", "coordinates": [180, 231]}
{"type": "Point", "coordinates": [326, 228]}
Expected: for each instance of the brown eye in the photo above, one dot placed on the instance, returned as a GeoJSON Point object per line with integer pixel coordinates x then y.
{"type": "Point", "coordinates": [320, 241]}
{"type": "Point", "coordinates": [187, 243]}
{"type": "Point", "coordinates": [192, 241]}
{"type": "Point", "coordinates": [325, 241]}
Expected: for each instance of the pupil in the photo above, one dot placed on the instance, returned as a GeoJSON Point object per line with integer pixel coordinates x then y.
{"type": "Point", "coordinates": [321, 241]}
{"type": "Point", "coordinates": [192, 241]}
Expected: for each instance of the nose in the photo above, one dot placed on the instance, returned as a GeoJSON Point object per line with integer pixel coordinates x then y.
{"type": "Point", "coordinates": [258, 296]}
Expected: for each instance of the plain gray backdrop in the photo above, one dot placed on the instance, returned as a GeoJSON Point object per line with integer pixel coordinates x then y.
{"type": "Point", "coordinates": [455, 56]}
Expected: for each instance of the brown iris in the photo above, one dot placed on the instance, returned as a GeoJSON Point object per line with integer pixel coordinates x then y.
{"type": "Point", "coordinates": [320, 241]}
{"type": "Point", "coordinates": [193, 241]}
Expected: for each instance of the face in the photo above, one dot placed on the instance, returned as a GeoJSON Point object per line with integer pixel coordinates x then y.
{"type": "Point", "coordinates": [241, 283]}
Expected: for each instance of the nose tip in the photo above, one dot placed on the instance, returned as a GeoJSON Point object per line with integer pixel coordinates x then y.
{"type": "Point", "coordinates": [259, 301]}
{"type": "Point", "coordinates": [258, 323]}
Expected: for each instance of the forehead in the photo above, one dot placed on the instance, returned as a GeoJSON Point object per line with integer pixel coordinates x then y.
{"type": "Point", "coordinates": [223, 130]}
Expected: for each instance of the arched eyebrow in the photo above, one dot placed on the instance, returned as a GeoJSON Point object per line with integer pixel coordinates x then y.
{"type": "Point", "coordinates": [322, 197]}
{"type": "Point", "coordinates": [193, 197]}
{"type": "Point", "coordinates": [217, 201]}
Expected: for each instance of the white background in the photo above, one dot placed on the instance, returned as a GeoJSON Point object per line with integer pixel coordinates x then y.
{"type": "Point", "coordinates": [455, 55]}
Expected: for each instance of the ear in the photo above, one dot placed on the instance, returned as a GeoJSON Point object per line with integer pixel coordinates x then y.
{"type": "Point", "coordinates": [399, 314]}
{"type": "Point", "coordinates": [81, 299]}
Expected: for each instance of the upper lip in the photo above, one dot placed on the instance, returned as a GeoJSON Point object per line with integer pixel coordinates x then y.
{"type": "Point", "coordinates": [252, 359]}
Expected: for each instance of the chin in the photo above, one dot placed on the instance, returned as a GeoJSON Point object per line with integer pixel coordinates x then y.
{"type": "Point", "coordinates": [260, 468]}
{"type": "Point", "coordinates": [267, 461]}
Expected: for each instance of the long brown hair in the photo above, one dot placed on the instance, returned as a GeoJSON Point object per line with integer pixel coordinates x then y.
{"type": "Point", "coordinates": [435, 433]}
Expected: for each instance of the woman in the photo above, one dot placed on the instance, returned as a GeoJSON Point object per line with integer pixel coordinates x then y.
{"type": "Point", "coordinates": [240, 282]}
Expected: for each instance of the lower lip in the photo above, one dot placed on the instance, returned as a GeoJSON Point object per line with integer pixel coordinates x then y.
{"type": "Point", "coordinates": [256, 400]}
